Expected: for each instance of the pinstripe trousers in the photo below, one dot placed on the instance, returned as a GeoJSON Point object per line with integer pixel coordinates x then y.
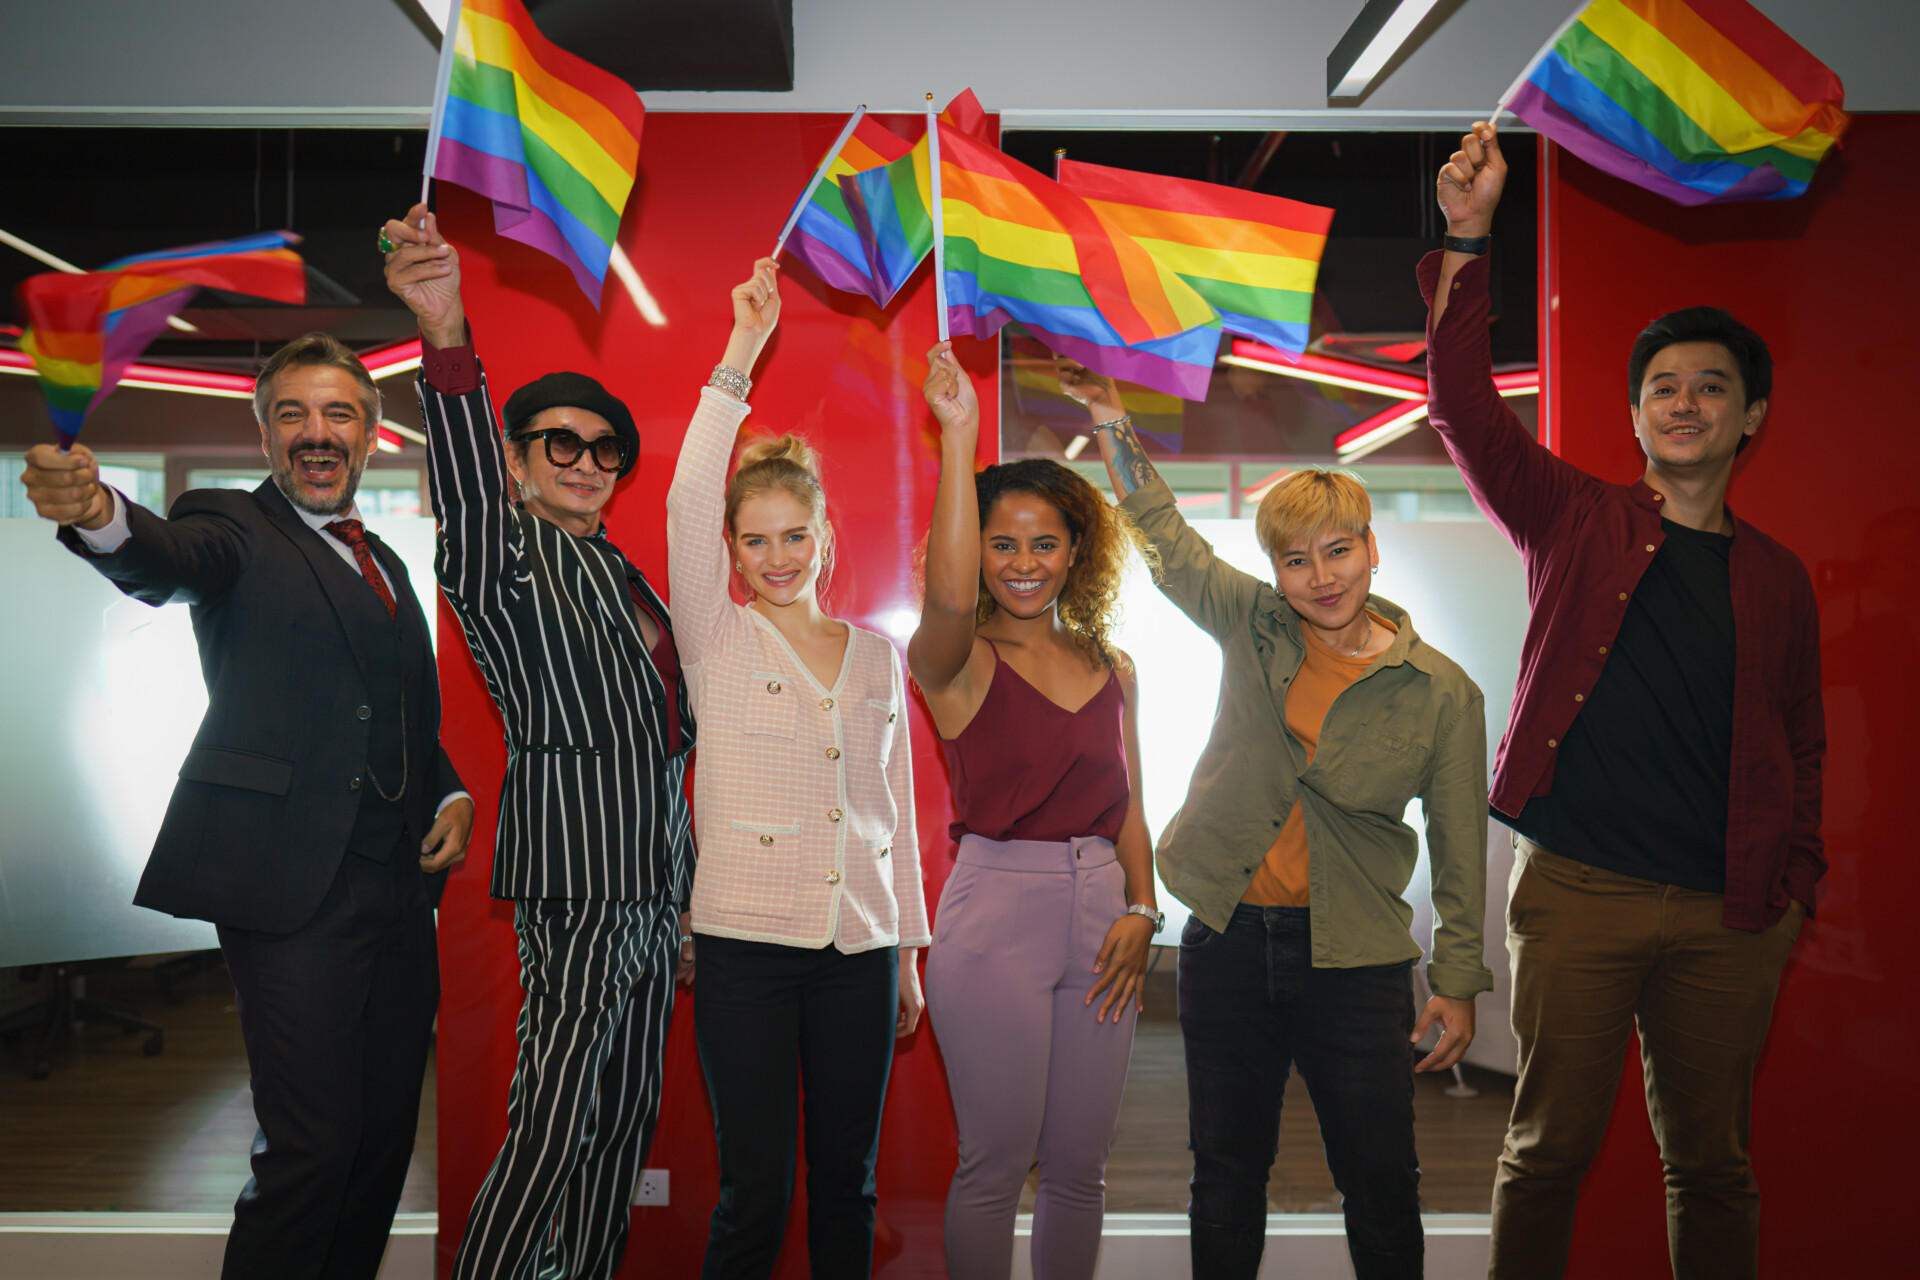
{"type": "Point", "coordinates": [586, 1090]}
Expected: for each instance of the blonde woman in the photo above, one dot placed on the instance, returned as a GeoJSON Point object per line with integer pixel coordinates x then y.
{"type": "Point", "coordinates": [807, 903]}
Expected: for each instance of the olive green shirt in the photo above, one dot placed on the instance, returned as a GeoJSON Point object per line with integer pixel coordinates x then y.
{"type": "Point", "coordinates": [1413, 724]}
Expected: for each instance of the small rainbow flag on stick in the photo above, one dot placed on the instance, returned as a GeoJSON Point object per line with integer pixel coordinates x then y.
{"type": "Point", "coordinates": [550, 138]}
{"type": "Point", "coordinates": [1018, 246]}
{"type": "Point", "coordinates": [85, 329]}
{"type": "Point", "coordinates": [1703, 101]}
{"type": "Point", "coordinates": [819, 230]}
{"type": "Point", "coordinates": [1254, 257]}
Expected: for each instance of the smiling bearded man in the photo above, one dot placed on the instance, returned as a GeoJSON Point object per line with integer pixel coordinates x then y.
{"type": "Point", "coordinates": [316, 812]}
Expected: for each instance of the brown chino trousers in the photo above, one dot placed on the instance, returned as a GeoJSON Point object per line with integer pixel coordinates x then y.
{"type": "Point", "coordinates": [1593, 953]}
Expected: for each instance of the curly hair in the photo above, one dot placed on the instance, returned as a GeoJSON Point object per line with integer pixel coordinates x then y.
{"type": "Point", "coordinates": [1102, 535]}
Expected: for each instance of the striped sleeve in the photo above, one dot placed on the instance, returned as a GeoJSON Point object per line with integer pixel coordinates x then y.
{"type": "Point", "coordinates": [482, 550]}
{"type": "Point", "coordinates": [696, 512]}
{"type": "Point", "coordinates": [908, 890]}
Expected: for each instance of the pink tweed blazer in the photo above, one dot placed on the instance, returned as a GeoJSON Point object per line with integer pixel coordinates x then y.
{"type": "Point", "coordinates": [802, 793]}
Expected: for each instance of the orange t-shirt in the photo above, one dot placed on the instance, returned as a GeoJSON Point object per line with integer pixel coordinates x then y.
{"type": "Point", "coordinates": [1281, 878]}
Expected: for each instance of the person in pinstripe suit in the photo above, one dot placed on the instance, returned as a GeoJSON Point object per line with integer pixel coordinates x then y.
{"type": "Point", "coordinates": [595, 845]}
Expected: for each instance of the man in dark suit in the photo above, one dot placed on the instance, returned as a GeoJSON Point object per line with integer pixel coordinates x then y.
{"type": "Point", "coordinates": [316, 812]}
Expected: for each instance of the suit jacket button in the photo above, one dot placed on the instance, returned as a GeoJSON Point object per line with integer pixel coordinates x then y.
{"type": "Point", "coordinates": [833, 877]}
{"type": "Point", "coordinates": [354, 785]}
{"type": "Point", "coordinates": [365, 713]}
{"type": "Point", "coordinates": [766, 839]}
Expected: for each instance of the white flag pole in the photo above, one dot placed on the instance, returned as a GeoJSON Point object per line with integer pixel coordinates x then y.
{"type": "Point", "coordinates": [939, 221]}
{"type": "Point", "coordinates": [1527, 71]}
{"type": "Point", "coordinates": [442, 78]}
{"type": "Point", "coordinates": [819, 175]}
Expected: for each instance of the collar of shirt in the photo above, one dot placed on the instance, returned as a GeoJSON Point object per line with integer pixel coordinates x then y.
{"type": "Point", "coordinates": [319, 523]}
{"type": "Point", "coordinates": [1406, 647]}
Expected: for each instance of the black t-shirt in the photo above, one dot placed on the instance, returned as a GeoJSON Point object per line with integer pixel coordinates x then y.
{"type": "Point", "coordinates": [1641, 783]}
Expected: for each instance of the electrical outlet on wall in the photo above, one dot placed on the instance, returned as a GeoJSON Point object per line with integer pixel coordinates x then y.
{"type": "Point", "coordinates": [652, 1187]}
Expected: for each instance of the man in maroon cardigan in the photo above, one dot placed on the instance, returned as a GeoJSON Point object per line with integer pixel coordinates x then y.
{"type": "Point", "coordinates": [1661, 770]}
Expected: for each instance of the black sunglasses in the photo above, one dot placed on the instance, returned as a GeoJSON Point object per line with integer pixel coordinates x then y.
{"type": "Point", "coordinates": [564, 446]}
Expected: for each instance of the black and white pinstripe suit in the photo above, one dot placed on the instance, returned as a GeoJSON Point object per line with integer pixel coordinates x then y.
{"type": "Point", "coordinates": [594, 846]}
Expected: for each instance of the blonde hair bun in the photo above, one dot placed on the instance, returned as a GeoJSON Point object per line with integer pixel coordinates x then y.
{"type": "Point", "coordinates": [784, 448]}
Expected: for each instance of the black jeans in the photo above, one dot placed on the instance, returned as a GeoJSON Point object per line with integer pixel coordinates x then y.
{"type": "Point", "coordinates": [770, 1020]}
{"type": "Point", "coordinates": [1251, 1003]}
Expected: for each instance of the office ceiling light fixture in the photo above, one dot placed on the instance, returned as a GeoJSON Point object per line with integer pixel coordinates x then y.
{"type": "Point", "coordinates": [1384, 428]}
{"type": "Point", "coordinates": [1339, 373]}
{"type": "Point", "coordinates": [1370, 43]}
{"type": "Point", "coordinates": [38, 254]}
{"type": "Point", "coordinates": [394, 358]}
{"type": "Point", "coordinates": [153, 377]}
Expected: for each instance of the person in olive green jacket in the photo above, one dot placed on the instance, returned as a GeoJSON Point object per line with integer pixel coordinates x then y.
{"type": "Point", "coordinates": [1293, 853]}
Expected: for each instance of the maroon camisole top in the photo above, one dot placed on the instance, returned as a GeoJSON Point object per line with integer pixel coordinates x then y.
{"type": "Point", "coordinates": [1025, 768]}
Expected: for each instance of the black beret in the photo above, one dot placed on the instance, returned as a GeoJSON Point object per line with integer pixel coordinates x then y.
{"type": "Point", "coordinates": [576, 391]}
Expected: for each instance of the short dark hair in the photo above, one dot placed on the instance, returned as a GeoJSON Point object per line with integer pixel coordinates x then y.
{"type": "Point", "coordinates": [315, 349]}
{"type": "Point", "coordinates": [1704, 324]}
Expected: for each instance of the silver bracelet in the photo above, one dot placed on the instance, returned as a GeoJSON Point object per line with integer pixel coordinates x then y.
{"type": "Point", "coordinates": [1124, 420]}
{"type": "Point", "coordinates": [729, 379]}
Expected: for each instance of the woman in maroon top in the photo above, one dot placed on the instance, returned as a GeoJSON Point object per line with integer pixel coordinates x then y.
{"type": "Point", "coordinates": [1050, 907]}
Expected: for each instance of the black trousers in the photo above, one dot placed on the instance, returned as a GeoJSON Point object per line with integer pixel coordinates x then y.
{"type": "Point", "coordinates": [1251, 1003]}
{"type": "Point", "coordinates": [773, 1020]}
{"type": "Point", "coordinates": [558, 1201]}
{"type": "Point", "coordinates": [337, 1018]}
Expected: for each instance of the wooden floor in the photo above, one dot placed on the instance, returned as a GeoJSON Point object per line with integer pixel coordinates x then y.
{"type": "Point", "coordinates": [1458, 1138]}
{"type": "Point", "coordinates": [113, 1130]}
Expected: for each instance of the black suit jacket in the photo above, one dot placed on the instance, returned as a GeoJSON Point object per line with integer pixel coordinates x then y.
{"type": "Point", "coordinates": [269, 791]}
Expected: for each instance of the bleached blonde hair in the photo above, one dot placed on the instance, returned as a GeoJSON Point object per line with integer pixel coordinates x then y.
{"type": "Point", "coordinates": [1307, 503]}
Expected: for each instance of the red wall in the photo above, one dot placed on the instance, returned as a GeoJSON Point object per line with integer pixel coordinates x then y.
{"type": "Point", "coordinates": [712, 194]}
{"type": "Point", "coordinates": [1829, 280]}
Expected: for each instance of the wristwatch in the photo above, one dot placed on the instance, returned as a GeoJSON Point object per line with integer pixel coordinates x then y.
{"type": "Point", "coordinates": [1159, 918]}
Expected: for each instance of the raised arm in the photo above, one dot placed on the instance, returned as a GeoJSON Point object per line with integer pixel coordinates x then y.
{"type": "Point", "coordinates": [479, 559]}
{"type": "Point", "coordinates": [943, 642]}
{"type": "Point", "coordinates": [1213, 593]}
{"type": "Point", "coordinates": [192, 558]}
{"type": "Point", "coordinates": [1518, 482]}
{"type": "Point", "coordinates": [696, 502]}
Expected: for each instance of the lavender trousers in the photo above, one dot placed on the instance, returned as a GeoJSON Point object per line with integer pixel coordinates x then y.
{"type": "Point", "coordinates": [1030, 1069]}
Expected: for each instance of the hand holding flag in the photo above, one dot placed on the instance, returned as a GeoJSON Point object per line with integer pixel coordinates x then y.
{"type": "Point", "coordinates": [64, 486]}
{"type": "Point", "coordinates": [1471, 183]}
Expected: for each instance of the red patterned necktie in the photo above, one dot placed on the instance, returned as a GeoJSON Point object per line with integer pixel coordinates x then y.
{"type": "Point", "coordinates": [354, 534]}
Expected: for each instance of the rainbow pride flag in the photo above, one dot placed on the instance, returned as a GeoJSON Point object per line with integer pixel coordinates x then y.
{"type": "Point", "coordinates": [1253, 257]}
{"type": "Point", "coordinates": [1021, 247]}
{"type": "Point", "coordinates": [824, 236]}
{"type": "Point", "coordinates": [550, 138]}
{"type": "Point", "coordinates": [1703, 101]}
{"type": "Point", "coordinates": [85, 329]}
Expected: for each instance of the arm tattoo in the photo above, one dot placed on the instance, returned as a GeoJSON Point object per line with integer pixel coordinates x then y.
{"type": "Point", "coordinates": [1131, 469]}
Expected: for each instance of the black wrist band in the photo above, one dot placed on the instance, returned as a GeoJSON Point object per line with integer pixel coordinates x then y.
{"type": "Point", "coordinates": [1475, 245]}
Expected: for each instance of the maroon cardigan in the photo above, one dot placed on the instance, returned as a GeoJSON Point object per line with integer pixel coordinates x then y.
{"type": "Point", "coordinates": [1585, 542]}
